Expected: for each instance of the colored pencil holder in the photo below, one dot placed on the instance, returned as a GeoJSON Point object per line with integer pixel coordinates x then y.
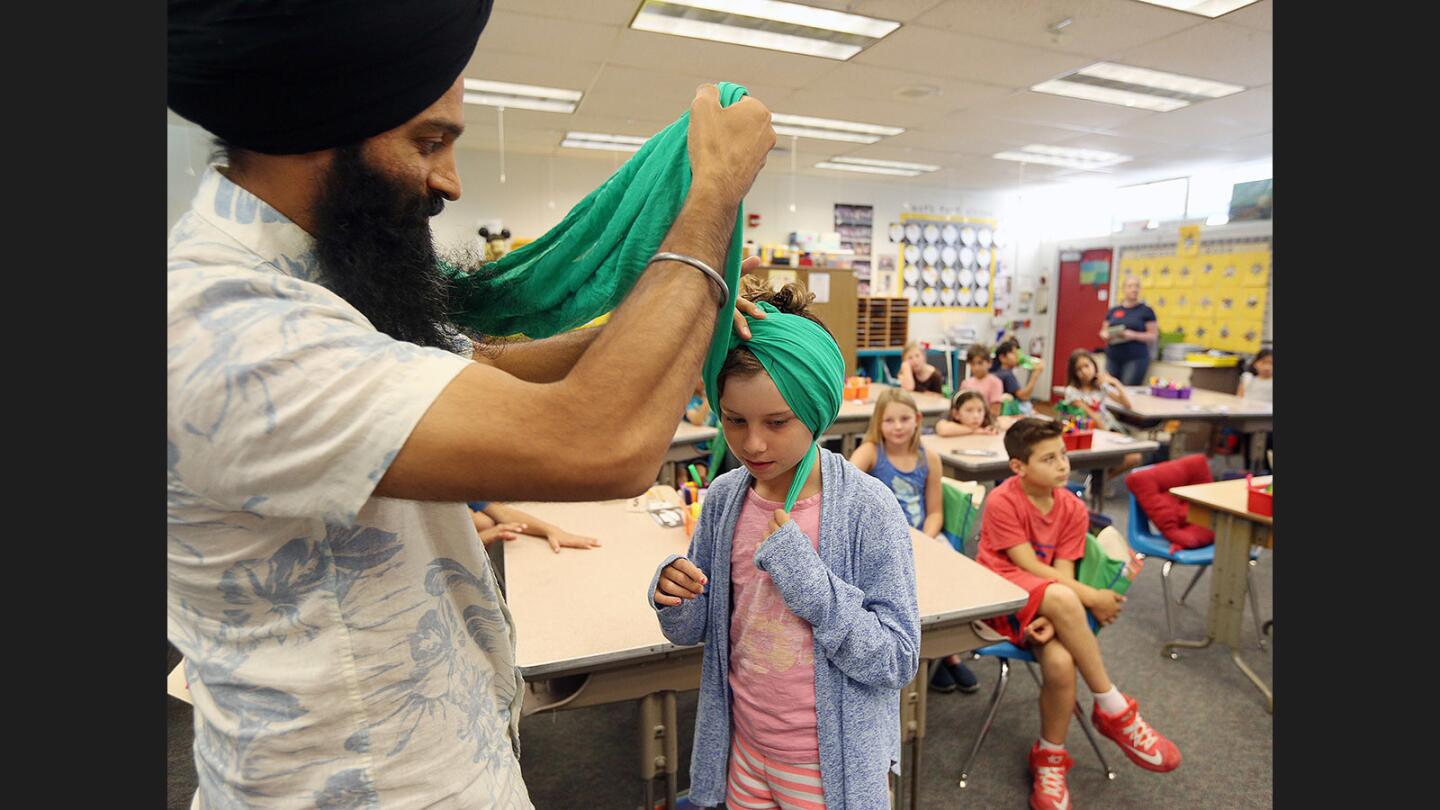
{"type": "Point", "coordinates": [1259, 501]}
{"type": "Point", "coordinates": [1078, 439]}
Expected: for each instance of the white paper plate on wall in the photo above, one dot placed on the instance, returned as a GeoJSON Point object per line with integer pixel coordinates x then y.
{"type": "Point", "coordinates": [967, 277]}
{"type": "Point", "coordinates": [948, 255]}
{"type": "Point", "coordinates": [950, 234]}
{"type": "Point", "coordinates": [982, 296]}
{"type": "Point", "coordinates": [998, 238]}
{"type": "Point", "coordinates": [967, 235]}
{"type": "Point", "coordinates": [947, 296]}
{"type": "Point", "coordinates": [967, 257]}
{"type": "Point", "coordinates": [965, 296]}
{"type": "Point", "coordinates": [947, 276]}
{"type": "Point", "coordinates": [984, 237]}
{"type": "Point", "coordinates": [929, 297]}
{"type": "Point", "coordinates": [930, 275]}
{"type": "Point", "coordinates": [912, 232]}
{"type": "Point", "coordinates": [932, 233]}
{"type": "Point", "coordinates": [912, 254]}
{"type": "Point", "coordinates": [912, 275]}
{"type": "Point", "coordinates": [931, 254]}
{"type": "Point", "coordinates": [982, 257]}
{"type": "Point", "coordinates": [912, 294]}
{"type": "Point", "coordinates": [982, 277]}
{"type": "Point", "coordinates": [897, 232]}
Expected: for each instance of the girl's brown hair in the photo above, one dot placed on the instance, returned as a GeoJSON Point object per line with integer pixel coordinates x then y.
{"type": "Point", "coordinates": [887, 396]}
{"type": "Point", "coordinates": [1070, 376]}
{"type": "Point", "coordinates": [792, 299]}
{"type": "Point", "coordinates": [966, 395]}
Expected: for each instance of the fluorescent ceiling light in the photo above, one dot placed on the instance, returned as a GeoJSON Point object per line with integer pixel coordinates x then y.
{"type": "Point", "coordinates": [770, 24]}
{"type": "Point", "coordinates": [886, 164]}
{"type": "Point", "coordinates": [830, 129]}
{"type": "Point", "coordinates": [609, 143]}
{"type": "Point", "coordinates": [1090, 159]}
{"type": "Point", "coordinates": [521, 96]}
{"type": "Point", "coordinates": [1205, 8]}
{"type": "Point", "coordinates": [1130, 86]}
{"type": "Point", "coordinates": [847, 167]}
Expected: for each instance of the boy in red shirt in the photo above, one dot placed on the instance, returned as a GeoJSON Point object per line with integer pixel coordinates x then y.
{"type": "Point", "coordinates": [1032, 534]}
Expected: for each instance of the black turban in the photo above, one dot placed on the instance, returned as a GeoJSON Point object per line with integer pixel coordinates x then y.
{"type": "Point", "coordinates": [290, 76]}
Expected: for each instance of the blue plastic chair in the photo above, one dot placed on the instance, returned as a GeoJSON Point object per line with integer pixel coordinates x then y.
{"type": "Point", "coordinates": [1004, 652]}
{"type": "Point", "coordinates": [1148, 544]}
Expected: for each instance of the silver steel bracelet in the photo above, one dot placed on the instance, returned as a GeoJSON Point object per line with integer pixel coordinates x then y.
{"type": "Point", "coordinates": [698, 265]}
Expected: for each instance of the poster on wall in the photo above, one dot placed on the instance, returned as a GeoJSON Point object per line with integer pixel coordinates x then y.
{"type": "Point", "coordinates": [947, 261]}
{"type": "Point", "coordinates": [855, 224]}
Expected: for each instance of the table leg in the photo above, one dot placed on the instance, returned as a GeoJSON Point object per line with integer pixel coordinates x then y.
{"type": "Point", "coordinates": [1228, 589]}
{"type": "Point", "coordinates": [658, 745]}
{"type": "Point", "coordinates": [848, 441]}
{"type": "Point", "coordinates": [1097, 489]}
{"type": "Point", "coordinates": [912, 733]}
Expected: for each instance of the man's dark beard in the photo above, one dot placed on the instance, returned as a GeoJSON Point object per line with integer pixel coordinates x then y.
{"type": "Point", "coordinates": [373, 242]}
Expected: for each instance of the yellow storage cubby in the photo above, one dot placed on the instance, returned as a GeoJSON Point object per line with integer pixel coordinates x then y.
{"type": "Point", "coordinates": [1225, 333]}
{"type": "Point", "coordinates": [1182, 303]}
{"type": "Point", "coordinates": [1229, 303]}
{"type": "Point", "coordinates": [1164, 270]}
{"type": "Point", "coordinates": [1252, 303]}
{"type": "Point", "coordinates": [1160, 301]}
{"type": "Point", "coordinates": [1207, 269]}
{"type": "Point", "coordinates": [1204, 332]}
{"type": "Point", "coordinates": [1142, 269]}
{"type": "Point", "coordinates": [1203, 304]}
{"type": "Point", "coordinates": [1246, 339]}
{"type": "Point", "coordinates": [1228, 272]}
{"type": "Point", "coordinates": [1185, 275]}
{"type": "Point", "coordinates": [1187, 326]}
{"type": "Point", "coordinates": [1255, 269]}
{"type": "Point", "coordinates": [1129, 267]}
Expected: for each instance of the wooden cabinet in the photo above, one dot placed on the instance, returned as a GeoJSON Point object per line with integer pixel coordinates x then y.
{"type": "Point", "coordinates": [882, 323]}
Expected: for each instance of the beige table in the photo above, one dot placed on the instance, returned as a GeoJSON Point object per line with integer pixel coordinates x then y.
{"type": "Point", "coordinates": [586, 634]}
{"type": "Point", "coordinates": [983, 458]}
{"type": "Point", "coordinates": [855, 415]}
{"type": "Point", "coordinates": [1248, 416]}
{"type": "Point", "coordinates": [1236, 529]}
{"type": "Point", "coordinates": [684, 448]}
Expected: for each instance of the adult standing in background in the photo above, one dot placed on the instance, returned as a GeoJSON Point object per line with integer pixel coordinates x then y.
{"type": "Point", "coordinates": [344, 640]}
{"type": "Point", "coordinates": [1130, 332]}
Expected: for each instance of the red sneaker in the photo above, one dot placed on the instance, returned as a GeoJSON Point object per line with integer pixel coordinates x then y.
{"type": "Point", "coordinates": [1049, 791]}
{"type": "Point", "coordinates": [1141, 743]}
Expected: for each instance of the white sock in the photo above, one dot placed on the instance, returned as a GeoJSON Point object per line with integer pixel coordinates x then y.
{"type": "Point", "coordinates": [1046, 745]}
{"type": "Point", "coordinates": [1111, 702]}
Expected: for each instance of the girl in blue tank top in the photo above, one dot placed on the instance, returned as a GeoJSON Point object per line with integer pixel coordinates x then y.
{"type": "Point", "coordinates": [893, 453]}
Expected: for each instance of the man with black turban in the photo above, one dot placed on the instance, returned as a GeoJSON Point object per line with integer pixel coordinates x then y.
{"type": "Point", "coordinates": [345, 643]}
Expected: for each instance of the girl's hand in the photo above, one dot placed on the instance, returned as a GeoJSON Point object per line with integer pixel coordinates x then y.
{"type": "Point", "coordinates": [744, 307]}
{"type": "Point", "coordinates": [501, 531]}
{"type": "Point", "coordinates": [1106, 606]}
{"type": "Point", "coordinates": [561, 538]}
{"type": "Point", "coordinates": [988, 431]}
{"type": "Point", "coordinates": [780, 518]}
{"type": "Point", "coordinates": [680, 580]}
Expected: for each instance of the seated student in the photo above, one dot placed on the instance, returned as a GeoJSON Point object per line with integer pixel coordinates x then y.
{"type": "Point", "coordinates": [916, 373]}
{"type": "Point", "coordinates": [1007, 356]}
{"type": "Point", "coordinates": [1087, 387]}
{"type": "Point", "coordinates": [969, 415]}
{"type": "Point", "coordinates": [1032, 534]}
{"type": "Point", "coordinates": [1258, 381]}
{"type": "Point", "coordinates": [977, 357]}
{"type": "Point", "coordinates": [497, 521]}
{"type": "Point", "coordinates": [807, 643]}
{"type": "Point", "coordinates": [892, 452]}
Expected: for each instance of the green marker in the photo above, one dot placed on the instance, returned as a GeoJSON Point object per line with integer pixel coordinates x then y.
{"type": "Point", "coordinates": [695, 476]}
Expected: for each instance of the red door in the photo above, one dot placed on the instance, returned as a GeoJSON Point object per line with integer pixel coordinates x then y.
{"type": "Point", "coordinates": [1080, 308]}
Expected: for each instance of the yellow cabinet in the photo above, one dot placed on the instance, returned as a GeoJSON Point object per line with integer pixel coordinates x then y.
{"type": "Point", "coordinates": [1182, 303]}
{"type": "Point", "coordinates": [1255, 269]}
{"type": "Point", "coordinates": [1165, 269]}
{"type": "Point", "coordinates": [1185, 275]}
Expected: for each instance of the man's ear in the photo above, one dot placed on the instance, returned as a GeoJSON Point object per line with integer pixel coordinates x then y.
{"type": "Point", "coordinates": [1017, 466]}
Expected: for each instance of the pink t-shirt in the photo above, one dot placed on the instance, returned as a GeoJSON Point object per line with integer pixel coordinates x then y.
{"type": "Point", "coordinates": [772, 651]}
{"type": "Point", "coordinates": [989, 385]}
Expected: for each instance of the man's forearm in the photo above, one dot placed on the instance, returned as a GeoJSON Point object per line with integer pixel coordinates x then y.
{"type": "Point", "coordinates": [539, 361]}
{"type": "Point", "coordinates": [649, 354]}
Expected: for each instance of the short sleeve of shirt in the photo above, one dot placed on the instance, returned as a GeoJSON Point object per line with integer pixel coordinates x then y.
{"type": "Point", "coordinates": [283, 400]}
{"type": "Point", "coordinates": [1007, 380]}
{"type": "Point", "coordinates": [1002, 527]}
{"type": "Point", "coordinates": [1070, 544]}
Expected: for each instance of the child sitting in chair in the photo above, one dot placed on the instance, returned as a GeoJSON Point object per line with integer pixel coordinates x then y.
{"type": "Point", "coordinates": [1032, 534]}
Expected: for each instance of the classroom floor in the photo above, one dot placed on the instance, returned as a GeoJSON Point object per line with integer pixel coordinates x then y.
{"type": "Point", "coordinates": [587, 757]}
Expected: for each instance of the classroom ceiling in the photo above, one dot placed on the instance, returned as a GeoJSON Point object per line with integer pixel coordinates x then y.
{"type": "Point", "coordinates": [975, 58]}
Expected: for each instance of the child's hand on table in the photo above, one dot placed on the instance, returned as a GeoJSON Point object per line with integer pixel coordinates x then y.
{"type": "Point", "coordinates": [1106, 605]}
{"type": "Point", "coordinates": [563, 539]}
{"type": "Point", "coordinates": [1040, 630]}
{"type": "Point", "coordinates": [501, 531]}
{"type": "Point", "coordinates": [680, 580]}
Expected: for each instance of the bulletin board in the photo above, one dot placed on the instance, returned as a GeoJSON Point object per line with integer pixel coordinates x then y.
{"type": "Point", "coordinates": [1218, 298]}
{"type": "Point", "coordinates": [948, 262]}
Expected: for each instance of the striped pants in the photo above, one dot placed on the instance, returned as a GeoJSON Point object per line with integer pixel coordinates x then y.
{"type": "Point", "coordinates": [760, 783]}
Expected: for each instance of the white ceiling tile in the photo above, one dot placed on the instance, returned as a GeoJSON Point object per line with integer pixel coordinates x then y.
{"type": "Point", "coordinates": [1260, 16]}
{"type": "Point", "coordinates": [870, 82]}
{"type": "Point", "coordinates": [1192, 126]}
{"type": "Point", "coordinates": [1098, 28]}
{"type": "Point", "coordinates": [869, 111]}
{"type": "Point", "coordinates": [1058, 111]}
{"type": "Point", "coordinates": [508, 32]}
{"type": "Point", "coordinates": [1133, 147]}
{"type": "Point", "coordinates": [898, 10]}
{"type": "Point", "coordinates": [884, 151]}
{"type": "Point", "coordinates": [546, 71]}
{"type": "Point", "coordinates": [1253, 109]}
{"type": "Point", "coordinates": [1212, 50]}
{"type": "Point", "coordinates": [962, 56]}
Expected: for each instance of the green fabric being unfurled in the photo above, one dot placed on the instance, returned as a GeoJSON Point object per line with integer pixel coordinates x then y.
{"type": "Point", "coordinates": [805, 364]}
{"type": "Point", "coordinates": [583, 267]}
